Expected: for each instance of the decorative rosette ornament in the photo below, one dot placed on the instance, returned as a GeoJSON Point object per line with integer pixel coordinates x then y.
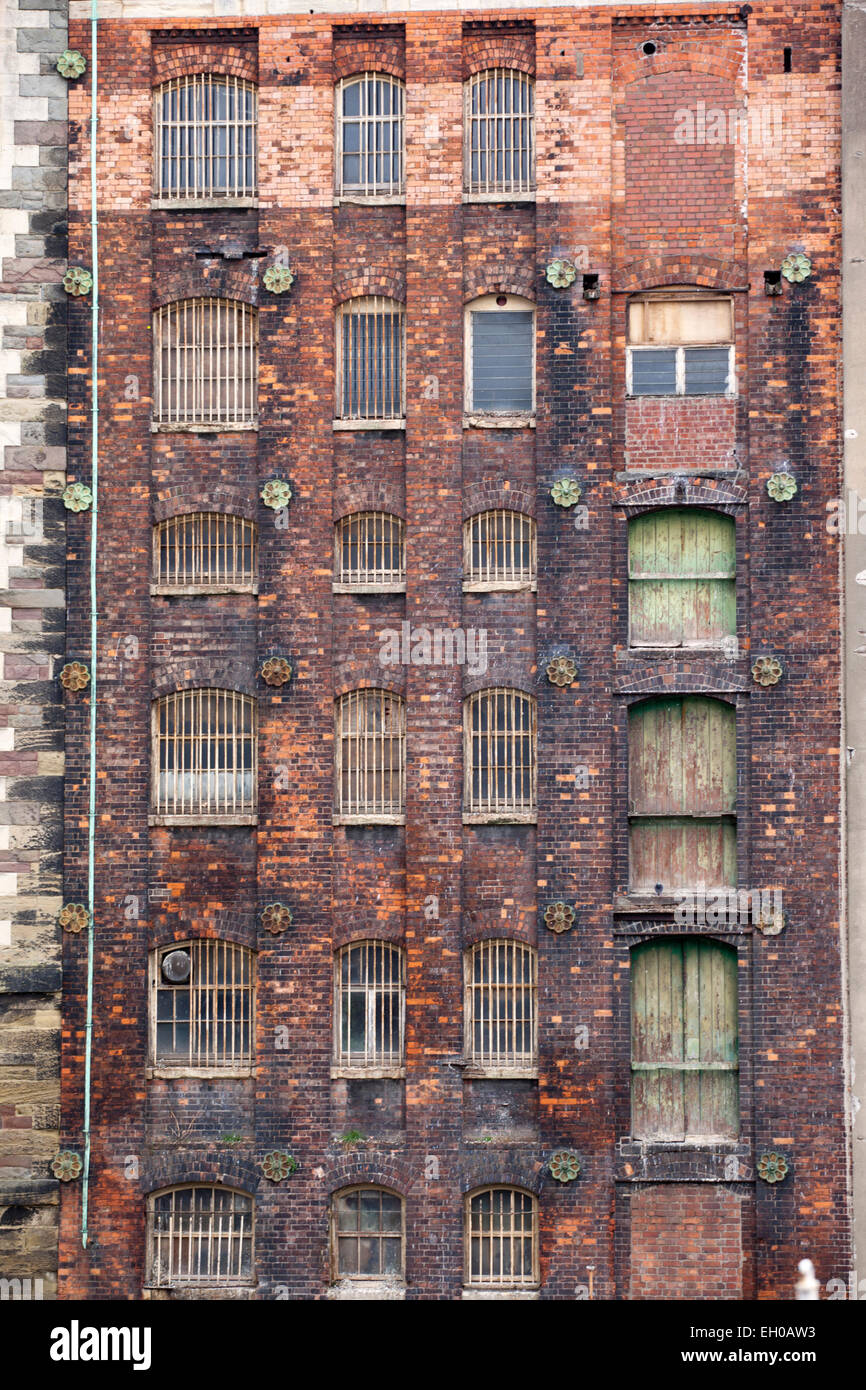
{"type": "Point", "coordinates": [278, 279]}
{"type": "Point", "coordinates": [782, 486]}
{"type": "Point", "coordinates": [75, 676]}
{"type": "Point", "coordinates": [566, 492]}
{"type": "Point", "coordinates": [276, 918]}
{"type": "Point", "coordinates": [767, 670]}
{"type": "Point", "coordinates": [276, 671]}
{"type": "Point", "coordinates": [278, 1165]}
{"type": "Point", "coordinates": [77, 281]}
{"type": "Point", "coordinates": [562, 671]}
{"type": "Point", "coordinates": [564, 1165]}
{"type": "Point", "coordinates": [67, 1165]}
{"type": "Point", "coordinates": [74, 917]}
{"type": "Point", "coordinates": [796, 267]}
{"type": "Point", "coordinates": [276, 494]}
{"type": "Point", "coordinates": [772, 1167]}
{"type": "Point", "coordinates": [560, 274]}
{"type": "Point", "coordinates": [77, 497]}
{"type": "Point", "coordinates": [559, 917]}
{"type": "Point", "coordinates": [71, 64]}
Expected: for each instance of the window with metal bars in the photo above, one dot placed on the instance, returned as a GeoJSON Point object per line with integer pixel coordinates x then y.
{"type": "Point", "coordinates": [499, 551]}
{"type": "Point", "coordinates": [204, 1005]}
{"type": "Point", "coordinates": [500, 1012]}
{"type": "Point", "coordinates": [370, 552]}
{"type": "Point", "coordinates": [681, 578]}
{"type": "Point", "coordinates": [367, 1234]}
{"type": "Point", "coordinates": [499, 756]}
{"type": "Point", "coordinates": [205, 366]}
{"type": "Point", "coordinates": [370, 756]}
{"type": "Point", "coordinates": [680, 345]}
{"type": "Point", "coordinates": [204, 757]}
{"type": "Point", "coordinates": [205, 138]}
{"type": "Point", "coordinates": [371, 349]}
{"type": "Point", "coordinates": [500, 361]}
{"type": "Point", "coordinates": [200, 1235]}
{"type": "Point", "coordinates": [369, 1006]}
{"type": "Point", "coordinates": [210, 551]}
{"type": "Point", "coordinates": [370, 150]}
{"type": "Point", "coordinates": [499, 133]}
{"type": "Point", "coordinates": [502, 1239]}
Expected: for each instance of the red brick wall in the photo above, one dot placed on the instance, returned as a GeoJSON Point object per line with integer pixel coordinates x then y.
{"type": "Point", "coordinates": [686, 1243]}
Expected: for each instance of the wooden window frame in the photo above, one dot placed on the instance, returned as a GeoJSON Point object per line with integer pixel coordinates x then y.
{"type": "Point", "coordinates": [240, 191]}
{"type": "Point", "coordinates": [205, 366]}
{"type": "Point", "coordinates": [374, 1062]}
{"type": "Point", "coordinates": [510, 810]}
{"type": "Point", "coordinates": [517, 530]}
{"type": "Point", "coordinates": [376, 579]}
{"type": "Point", "coordinates": [224, 532]}
{"type": "Point", "coordinates": [366, 811]}
{"type": "Point", "coordinates": [496, 419]}
{"type": "Point", "coordinates": [204, 1021]}
{"type": "Point", "coordinates": [501, 1001]}
{"type": "Point", "coordinates": [372, 307]}
{"type": "Point", "coordinates": [658, 577]}
{"type": "Point", "coordinates": [386, 191]}
{"type": "Point", "coordinates": [527, 1282]}
{"type": "Point", "coordinates": [337, 1275]}
{"type": "Point", "coordinates": [681, 346]}
{"type": "Point", "coordinates": [212, 1279]}
{"type": "Point", "coordinates": [214, 810]}
{"type": "Point", "coordinates": [496, 126]}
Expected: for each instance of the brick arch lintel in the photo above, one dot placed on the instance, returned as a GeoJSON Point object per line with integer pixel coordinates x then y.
{"type": "Point", "coordinates": [209, 671]}
{"type": "Point", "coordinates": [199, 281]}
{"type": "Point", "coordinates": [229, 1170]}
{"type": "Point", "coordinates": [368, 56]}
{"type": "Point", "coordinates": [223, 924]}
{"type": "Point", "coordinates": [498, 494]}
{"type": "Point", "coordinates": [377, 682]}
{"type": "Point", "coordinates": [488, 924]}
{"type": "Point", "coordinates": [499, 44]}
{"type": "Point", "coordinates": [502, 1170]}
{"type": "Point", "coordinates": [687, 678]}
{"type": "Point", "coordinates": [680, 268]}
{"type": "Point", "coordinates": [182, 498]}
{"type": "Point", "coordinates": [499, 279]}
{"type": "Point", "coordinates": [368, 495]}
{"type": "Point", "coordinates": [514, 680]}
{"type": "Point", "coordinates": [193, 53]}
{"type": "Point", "coordinates": [357, 1168]}
{"type": "Point", "coordinates": [642, 495]}
{"type": "Point", "coordinates": [359, 281]}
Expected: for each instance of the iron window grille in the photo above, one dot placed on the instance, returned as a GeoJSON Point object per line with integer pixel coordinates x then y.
{"type": "Point", "coordinates": [205, 755]}
{"type": "Point", "coordinates": [207, 1020]}
{"type": "Point", "coordinates": [371, 352]}
{"type": "Point", "coordinates": [500, 1010]}
{"type": "Point", "coordinates": [499, 551]}
{"type": "Point", "coordinates": [205, 138]}
{"type": "Point", "coordinates": [201, 1235]}
{"type": "Point", "coordinates": [502, 1239]}
{"type": "Point", "coordinates": [205, 550]}
{"type": "Point", "coordinates": [370, 551]}
{"type": "Point", "coordinates": [369, 1007]}
{"type": "Point", "coordinates": [500, 755]}
{"type": "Point", "coordinates": [370, 135]}
{"type": "Point", "coordinates": [499, 133]}
{"type": "Point", "coordinates": [370, 756]}
{"type": "Point", "coordinates": [206, 364]}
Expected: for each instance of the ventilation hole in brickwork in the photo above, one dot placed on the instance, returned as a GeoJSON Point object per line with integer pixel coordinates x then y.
{"type": "Point", "coordinates": [17, 1216]}
{"type": "Point", "coordinates": [501, 299]}
{"type": "Point", "coordinates": [786, 59]}
{"type": "Point", "coordinates": [649, 48]}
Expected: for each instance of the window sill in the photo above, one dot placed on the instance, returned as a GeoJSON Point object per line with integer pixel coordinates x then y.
{"type": "Point", "coordinates": [369, 820]}
{"type": "Point", "coordinates": [500, 818]}
{"type": "Point", "coordinates": [679, 395]}
{"type": "Point", "coordinates": [475, 1073]}
{"type": "Point", "coordinates": [200, 590]}
{"type": "Point", "coordinates": [344, 425]}
{"type": "Point", "coordinates": [217, 202]}
{"type": "Point", "coordinates": [180, 1292]}
{"type": "Point", "coordinates": [363, 200]}
{"type": "Point", "coordinates": [666, 902]}
{"type": "Point", "coordinates": [186, 427]}
{"type": "Point", "coordinates": [369, 588]}
{"type": "Point", "coordinates": [368, 1073]}
{"type": "Point", "coordinates": [500, 1295]}
{"type": "Point", "coordinates": [504, 586]}
{"type": "Point", "coordinates": [160, 1073]}
{"type": "Point", "coordinates": [378, 1290]}
{"type": "Point", "coordinates": [521, 420]}
{"type": "Point", "coordinates": [636, 649]}
{"type": "Point", "coordinates": [203, 820]}
{"type": "Point", "coordinates": [499, 197]}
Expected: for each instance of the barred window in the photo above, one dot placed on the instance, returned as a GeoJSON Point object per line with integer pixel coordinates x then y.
{"type": "Point", "coordinates": [371, 349]}
{"type": "Point", "coordinates": [499, 132]}
{"type": "Point", "coordinates": [370, 135]}
{"type": "Point", "coordinates": [370, 755]}
{"type": "Point", "coordinates": [205, 363]}
{"type": "Point", "coordinates": [370, 550]}
{"type": "Point", "coordinates": [499, 734]}
{"type": "Point", "coordinates": [369, 1005]}
{"type": "Point", "coordinates": [204, 550]}
{"type": "Point", "coordinates": [501, 982]}
{"type": "Point", "coordinates": [499, 551]}
{"type": "Point", "coordinates": [205, 755]}
{"type": "Point", "coordinates": [200, 1235]}
{"type": "Point", "coordinates": [205, 137]}
{"type": "Point", "coordinates": [680, 345]}
{"type": "Point", "coordinates": [368, 1235]}
{"type": "Point", "coordinates": [204, 1005]}
{"type": "Point", "coordinates": [681, 578]}
{"type": "Point", "coordinates": [500, 360]}
{"type": "Point", "coordinates": [502, 1239]}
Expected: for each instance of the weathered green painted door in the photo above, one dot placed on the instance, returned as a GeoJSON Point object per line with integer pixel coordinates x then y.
{"type": "Point", "coordinates": [682, 567]}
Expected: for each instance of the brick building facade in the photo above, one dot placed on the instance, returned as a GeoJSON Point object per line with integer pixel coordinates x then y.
{"type": "Point", "coordinates": [650, 202]}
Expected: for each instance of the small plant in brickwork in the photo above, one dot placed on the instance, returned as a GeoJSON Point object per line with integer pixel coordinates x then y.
{"type": "Point", "coordinates": [231, 1138]}
{"type": "Point", "coordinates": [279, 1165]}
{"type": "Point", "coordinates": [351, 1139]}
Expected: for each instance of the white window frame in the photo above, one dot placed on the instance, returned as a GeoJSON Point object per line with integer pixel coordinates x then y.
{"type": "Point", "coordinates": [374, 1061]}
{"type": "Point", "coordinates": [205, 368]}
{"type": "Point", "coordinates": [376, 579]}
{"type": "Point", "coordinates": [356, 810]}
{"type": "Point", "coordinates": [680, 347]}
{"type": "Point", "coordinates": [212, 1050]}
{"type": "Point", "coordinates": [499, 526]}
{"type": "Point", "coordinates": [506, 1234]}
{"type": "Point", "coordinates": [239, 191]}
{"type": "Point", "coordinates": [495, 419]}
{"type": "Point", "coordinates": [338, 1276]}
{"type": "Point", "coordinates": [196, 537]}
{"type": "Point", "coordinates": [366, 192]}
{"type": "Point", "coordinates": [201, 756]}
{"type": "Point", "coordinates": [499, 1000]}
{"type": "Point", "coordinates": [213, 1236]}
{"type": "Point", "coordinates": [369, 306]}
{"type": "Point", "coordinates": [509, 810]}
{"type": "Point", "coordinates": [495, 124]}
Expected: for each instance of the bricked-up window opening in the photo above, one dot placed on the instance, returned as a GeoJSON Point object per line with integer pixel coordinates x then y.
{"type": "Point", "coordinates": [499, 733]}
{"type": "Point", "coordinates": [200, 1235]}
{"type": "Point", "coordinates": [499, 133]}
{"type": "Point", "coordinates": [500, 1010]}
{"type": "Point", "coordinates": [368, 1237]}
{"type": "Point", "coordinates": [369, 1005]}
{"type": "Point", "coordinates": [206, 363]}
{"type": "Point", "coordinates": [682, 795]}
{"type": "Point", "coordinates": [205, 550]}
{"type": "Point", "coordinates": [501, 356]}
{"type": "Point", "coordinates": [680, 345]}
{"type": "Point", "coordinates": [370, 551]}
{"type": "Point", "coordinates": [682, 578]}
{"type": "Point", "coordinates": [205, 755]}
{"type": "Point", "coordinates": [684, 1062]}
{"type": "Point", "coordinates": [205, 1020]}
{"type": "Point", "coordinates": [371, 350]}
{"type": "Point", "coordinates": [370, 135]}
{"type": "Point", "coordinates": [502, 1239]}
{"type": "Point", "coordinates": [205, 138]}
{"type": "Point", "coordinates": [499, 551]}
{"type": "Point", "coordinates": [370, 756]}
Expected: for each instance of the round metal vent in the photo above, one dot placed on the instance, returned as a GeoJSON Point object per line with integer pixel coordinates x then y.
{"type": "Point", "coordinates": [176, 967]}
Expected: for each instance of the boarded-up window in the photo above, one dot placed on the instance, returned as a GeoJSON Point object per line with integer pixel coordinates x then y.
{"type": "Point", "coordinates": [682, 795]}
{"type": "Point", "coordinates": [684, 1040]}
{"type": "Point", "coordinates": [501, 356]}
{"type": "Point", "coordinates": [681, 567]}
{"type": "Point", "coordinates": [680, 345]}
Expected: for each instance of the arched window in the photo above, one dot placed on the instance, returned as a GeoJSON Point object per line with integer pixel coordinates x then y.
{"type": "Point", "coordinates": [500, 1007]}
{"type": "Point", "coordinates": [369, 1005]}
{"type": "Point", "coordinates": [500, 358]}
{"type": "Point", "coordinates": [684, 1040]}
{"type": "Point", "coordinates": [200, 1235]}
{"type": "Point", "coordinates": [682, 795]}
{"type": "Point", "coordinates": [499, 755]}
{"type": "Point", "coordinates": [203, 1012]}
{"type": "Point", "coordinates": [205, 366]}
{"type": "Point", "coordinates": [370, 756]}
{"type": "Point", "coordinates": [499, 551]}
{"type": "Point", "coordinates": [370, 150]}
{"type": "Point", "coordinates": [204, 757]}
{"type": "Point", "coordinates": [371, 350]}
{"type": "Point", "coordinates": [205, 137]}
{"type": "Point", "coordinates": [682, 565]}
{"type": "Point", "coordinates": [368, 1234]}
{"type": "Point", "coordinates": [502, 1239]}
{"type": "Point", "coordinates": [370, 552]}
{"type": "Point", "coordinates": [680, 343]}
{"type": "Point", "coordinates": [210, 551]}
{"type": "Point", "coordinates": [499, 133]}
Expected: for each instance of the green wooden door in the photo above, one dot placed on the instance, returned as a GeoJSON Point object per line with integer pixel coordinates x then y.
{"type": "Point", "coordinates": [682, 567]}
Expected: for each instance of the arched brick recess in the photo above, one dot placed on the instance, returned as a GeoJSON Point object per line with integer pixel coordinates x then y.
{"type": "Point", "coordinates": [506, 277]}
{"type": "Point", "coordinates": [496, 493]}
{"type": "Point", "coordinates": [183, 52]}
{"type": "Point", "coordinates": [358, 281]}
{"type": "Point", "coordinates": [211, 670]}
{"type": "Point", "coordinates": [182, 498]}
{"type": "Point", "coordinates": [498, 45]}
